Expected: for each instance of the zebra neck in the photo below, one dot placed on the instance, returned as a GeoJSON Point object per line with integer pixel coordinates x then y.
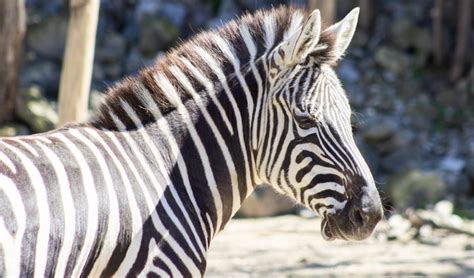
{"type": "Point", "coordinates": [210, 164]}
{"type": "Point", "coordinates": [203, 144]}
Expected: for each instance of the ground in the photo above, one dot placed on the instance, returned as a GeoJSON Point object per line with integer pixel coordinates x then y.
{"type": "Point", "coordinates": [291, 246]}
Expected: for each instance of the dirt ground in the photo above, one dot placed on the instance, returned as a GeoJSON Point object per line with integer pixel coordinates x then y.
{"type": "Point", "coordinates": [291, 246]}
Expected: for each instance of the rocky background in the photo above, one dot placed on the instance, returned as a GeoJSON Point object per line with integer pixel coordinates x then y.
{"type": "Point", "coordinates": [413, 124]}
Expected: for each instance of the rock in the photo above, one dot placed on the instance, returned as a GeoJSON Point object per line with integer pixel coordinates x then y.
{"type": "Point", "coordinates": [33, 109]}
{"type": "Point", "coordinates": [400, 32]}
{"type": "Point", "coordinates": [448, 96]}
{"type": "Point", "coordinates": [131, 32]}
{"type": "Point", "coordinates": [416, 189]}
{"type": "Point", "coordinates": [378, 131]}
{"type": "Point", "coordinates": [469, 247]}
{"type": "Point", "coordinates": [48, 36]}
{"type": "Point", "coordinates": [444, 208]}
{"type": "Point", "coordinates": [400, 161]}
{"type": "Point", "coordinates": [423, 44]}
{"type": "Point", "coordinates": [454, 106]}
{"type": "Point", "coordinates": [112, 71]}
{"type": "Point", "coordinates": [389, 76]}
{"type": "Point", "coordinates": [383, 96]}
{"type": "Point", "coordinates": [174, 12]}
{"type": "Point", "coordinates": [452, 164]}
{"type": "Point", "coordinates": [43, 73]}
{"type": "Point", "coordinates": [425, 235]}
{"type": "Point", "coordinates": [266, 202]}
{"type": "Point", "coordinates": [228, 10]}
{"type": "Point", "coordinates": [356, 95]}
{"type": "Point", "coordinates": [147, 7]}
{"type": "Point", "coordinates": [156, 34]}
{"type": "Point", "coordinates": [347, 71]}
{"type": "Point", "coordinates": [411, 87]}
{"type": "Point", "coordinates": [399, 228]}
{"type": "Point", "coordinates": [464, 89]}
{"type": "Point", "coordinates": [253, 5]}
{"type": "Point", "coordinates": [112, 48]}
{"type": "Point", "coordinates": [458, 184]}
{"type": "Point", "coordinates": [451, 116]}
{"type": "Point", "coordinates": [98, 73]}
{"type": "Point", "coordinates": [400, 139]}
{"type": "Point", "coordinates": [37, 10]}
{"type": "Point", "coordinates": [426, 231]}
{"type": "Point", "coordinates": [453, 171]}
{"type": "Point", "coordinates": [135, 61]}
{"type": "Point", "coordinates": [421, 111]}
{"type": "Point", "coordinates": [159, 24]}
{"type": "Point", "coordinates": [441, 217]}
{"type": "Point", "coordinates": [392, 59]}
{"type": "Point", "coordinates": [470, 169]}
{"type": "Point", "coordinates": [406, 34]}
{"type": "Point", "coordinates": [13, 129]}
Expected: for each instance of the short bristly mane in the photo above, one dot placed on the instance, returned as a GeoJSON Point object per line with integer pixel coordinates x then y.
{"type": "Point", "coordinates": [286, 19]}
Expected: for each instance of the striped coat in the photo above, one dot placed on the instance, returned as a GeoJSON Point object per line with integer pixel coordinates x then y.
{"type": "Point", "coordinates": [144, 187]}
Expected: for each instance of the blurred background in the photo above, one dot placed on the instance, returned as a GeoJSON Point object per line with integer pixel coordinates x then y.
{"type": "Point", "coordinates": [408, 74]}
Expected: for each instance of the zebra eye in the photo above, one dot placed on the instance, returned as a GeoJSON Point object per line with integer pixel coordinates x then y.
{"type": "Point", "coordinates": [306, 122]}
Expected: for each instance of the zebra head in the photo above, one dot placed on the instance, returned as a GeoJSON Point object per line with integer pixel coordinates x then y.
{"type": "Point", "coordinates": [312, 155]}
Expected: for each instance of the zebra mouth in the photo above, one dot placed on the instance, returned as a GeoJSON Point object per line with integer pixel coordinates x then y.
{"type": "Point", "coordinates": [330, 230]}
{"type": "Point", "coordinates": [326, 230]}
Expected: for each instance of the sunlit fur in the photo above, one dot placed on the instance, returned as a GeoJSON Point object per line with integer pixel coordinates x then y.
{"type": "Point", "coordinates": [144, 187]}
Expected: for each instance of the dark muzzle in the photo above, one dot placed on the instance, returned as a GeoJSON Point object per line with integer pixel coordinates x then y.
{"type": "Point", "coordinates": [357, 220]}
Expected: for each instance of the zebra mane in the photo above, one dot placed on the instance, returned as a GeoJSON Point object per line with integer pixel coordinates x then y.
{"type": "Point", "coordinates": [282, 21]}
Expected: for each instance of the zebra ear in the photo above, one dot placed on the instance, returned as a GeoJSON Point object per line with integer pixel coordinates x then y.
{"type": "Point", "coordinates": [343, 31]}
{"type": "Point", "coordinates": [298, 45]}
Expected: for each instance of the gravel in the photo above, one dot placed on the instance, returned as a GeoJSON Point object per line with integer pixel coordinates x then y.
{"type": "Point", "coordinates": [291, 246]}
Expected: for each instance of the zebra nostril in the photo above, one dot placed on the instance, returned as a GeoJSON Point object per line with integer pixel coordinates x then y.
{"type": "Point", "coordinates": [357, 217]}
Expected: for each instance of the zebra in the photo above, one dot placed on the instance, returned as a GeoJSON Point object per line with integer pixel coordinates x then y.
{"type": "Point", "coordinates": [143, 188]}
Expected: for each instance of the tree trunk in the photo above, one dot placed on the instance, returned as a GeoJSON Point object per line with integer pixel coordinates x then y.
{"type": "Point", "coordinates": [437, 15]}
{"type": "Point", "coordinates": [78, 61]}
{"type": "Point", "coordinates": [462, 41]}
{"type": "Point", "coordinates": [327, 9]}
{"type": "Point", "coordinates": [12, 30]}
{"type": "Point", "coordinates": [368, 9]}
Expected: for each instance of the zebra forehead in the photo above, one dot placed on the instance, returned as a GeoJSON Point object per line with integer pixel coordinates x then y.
{"type": "Point", "coordinates": [324, 95]}
{"type": "Point", "coordinates": [246, 38]}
